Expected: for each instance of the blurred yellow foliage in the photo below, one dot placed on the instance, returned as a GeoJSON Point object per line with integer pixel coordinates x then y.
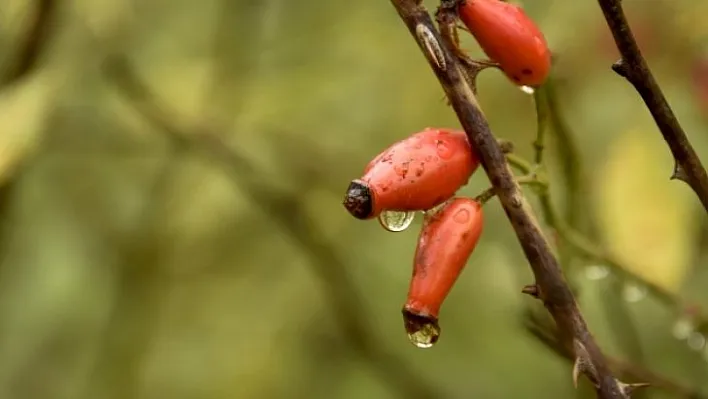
{"type": "Point", "coordinates": [23, 113]}
{"type": "Point", "coordinates": [647, 218]}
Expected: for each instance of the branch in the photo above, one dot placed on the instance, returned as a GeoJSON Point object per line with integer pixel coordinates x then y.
{"type": "Point", "coordinates": [285, 210]}
{"type": "Point", "coordinates": [549, 337]}
{"type": "Point", "coordinates": [551, 286]}
{"type": "Point", "coordinates": [34, 41]}
{"type": "Point", "coordinates": [633, 67]}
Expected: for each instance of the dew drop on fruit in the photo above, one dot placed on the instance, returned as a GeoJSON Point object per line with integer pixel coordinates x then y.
{"type": "Point", "coordinates": [462, 216]}
{"type": "Point", "coordinates": [423, 332]}
{"type": "Point", "coordinates": [633, 292]}
{"type": "Point", "coordinates": [444, 150]}
{"type": "Point", "coordinates": [528, 90]}
{"type": "Point", "coordinates": [597, 272]}
{"type": "Point", "coordinates": [396, 221]}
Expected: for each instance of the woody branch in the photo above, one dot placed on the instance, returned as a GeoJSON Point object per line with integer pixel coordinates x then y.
{"type": "Point", "coordinates": [551, 286]}
{"type": "Point", "coordinates": [633, 67]}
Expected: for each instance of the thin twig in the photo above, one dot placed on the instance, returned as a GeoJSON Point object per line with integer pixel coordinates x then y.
{"type": "Point", "coordinates": [286, 210]}
{"type": "Point", "coordinates": [633, 67]}
{"type": "Point", "coordinates": [552, 287]}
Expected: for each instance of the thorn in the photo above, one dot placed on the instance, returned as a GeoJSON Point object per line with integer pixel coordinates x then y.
{"type": "Point", "coordinates": [583, 364]}
{"type": "Point", "coordinates": [628, 389]}
{"type": "Point", "coordinates": [531, 289]}
{"type": "Point", "coordinates": [679, 173]}
{"type": "Point", "coordinates": [621, 68]}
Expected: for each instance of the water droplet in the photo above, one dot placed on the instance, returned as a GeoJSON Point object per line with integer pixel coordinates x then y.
{"type": "Point", "coordinates": [696, 341]}
{"type": "Point", "coordinates": [423, 331]}
{"type": "Point", "coordinates": [396, 221]}
{"type": "Point", "coordinates": [528, 89]}
{"type": "Point", "coordinates": [682, 329]}
{"type": "Point", "coordinates": [633, 292]}
{"type": "Point", "coordinates": [444, 150]}
{"type": "Point", "coordinates": [597, 272]}
{"type": "Point", "coordinates": [462, 216]}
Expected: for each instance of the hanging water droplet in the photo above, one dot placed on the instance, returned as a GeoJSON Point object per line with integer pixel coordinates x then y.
{"type": "Point", "coordinates": [597, 272]}
{"type": "Point", "coordinates": [682, 328]}
{"type": "Point", "coordinates": [528, 89]}
{"type": "Point", "coordinates": [696, 341]}
{"type": "Point", "coordinates": [396, 221]}
{"type": "Point", "coordinates": [633, 292]}
{"type": "Point", "coordinates": [423, 331]}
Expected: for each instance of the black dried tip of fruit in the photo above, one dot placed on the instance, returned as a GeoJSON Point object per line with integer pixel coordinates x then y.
{"type": "Point", "coordinates": [358, 200]}
{"type": "Point", "coordinates": [415, 322]}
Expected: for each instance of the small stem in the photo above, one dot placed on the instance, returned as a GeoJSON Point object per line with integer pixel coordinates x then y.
{"type": "Point", "coordinates": [539, 97]}
{"type": "Point", "coordinates": [485, 196]}
{"type": "Point", "coordinates": [528, 180]}
{"type": "Point", "coordinates": [519, 163]}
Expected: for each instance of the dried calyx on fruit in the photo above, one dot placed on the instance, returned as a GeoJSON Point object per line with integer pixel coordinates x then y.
{"type": "Point", "coordinates": [414, 174]}
{"type": "Point", "coordinates": [508, 37]}
{"type": "Point", "coordinates": [445, 244]}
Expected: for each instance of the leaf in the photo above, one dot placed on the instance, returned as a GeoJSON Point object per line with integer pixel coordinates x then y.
{"type": "Point", "coordinates": [646, 218]}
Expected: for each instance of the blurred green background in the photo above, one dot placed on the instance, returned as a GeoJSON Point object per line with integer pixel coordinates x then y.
{"type": "Point", "coordinates": [203, 252]}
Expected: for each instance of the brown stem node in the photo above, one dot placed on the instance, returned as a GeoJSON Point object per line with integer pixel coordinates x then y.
{"type": "Point", "coordinates": [621, 68]}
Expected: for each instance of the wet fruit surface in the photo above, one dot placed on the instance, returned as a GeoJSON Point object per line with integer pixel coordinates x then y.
{"type": "Point", "coordinates": [509, 37]}
{"type": "Point", "coordinates": [414, 174]}
{"type": "Point", "coordinates": [445, 244]}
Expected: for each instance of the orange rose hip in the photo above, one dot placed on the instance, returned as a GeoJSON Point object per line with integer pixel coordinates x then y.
{"type": "Point", "coordinates": [414, 174]}
{"type": "Point", "coordinates": [510, 38]}
{"type": "Point", "coordinates": [445, 244]}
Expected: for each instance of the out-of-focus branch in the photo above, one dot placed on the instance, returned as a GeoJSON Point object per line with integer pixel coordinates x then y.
{"type": "Point", "coordinates": [286, 210]}
{"type": "Point", "coordinates": [550, 285]}
{"type": "Point", "coordinates": [633, 67]}
{"type": "Point", "coordinates": [577, 196]}
{"type": "Point", "coordinates": [22, 62]}
{"type": "Point", "coordinates": [32, 43]}
{"type": "Point", "coordinates": [588, 248]}
{"type": "Point", "coordinates": [548, 335]}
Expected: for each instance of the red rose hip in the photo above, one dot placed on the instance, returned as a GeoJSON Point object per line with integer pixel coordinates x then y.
{"type": "Point", "coordinates": [510, 38]}
{"type": "Point", "coordinates": [414, 174]}
{"type": "Point", "coordinates": [445, 244]}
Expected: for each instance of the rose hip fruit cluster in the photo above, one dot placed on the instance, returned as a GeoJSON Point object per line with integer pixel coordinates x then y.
{"type": "Point", "coordinates": [423, 172]}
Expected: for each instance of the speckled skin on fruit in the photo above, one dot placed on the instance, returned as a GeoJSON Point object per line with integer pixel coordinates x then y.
{"type": "Point", "coordinates": [414, 174]}
{"type": "Point", "coordinates": [445, 244]}
{"type": "Point", "coordinates": [509, 37]}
